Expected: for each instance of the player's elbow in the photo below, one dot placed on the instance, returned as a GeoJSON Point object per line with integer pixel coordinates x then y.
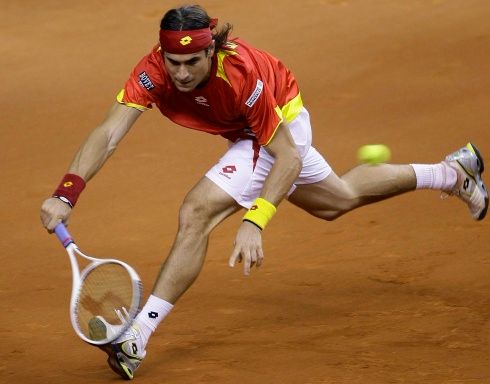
{"type": "Point", "coordinates": [111, 146]}
{"type": "Point", "coordinates": [112, 139]}
{"type": "Point", "coordinates": [291, 160]}
{"type": "Point", "coordinates": [296, 162]}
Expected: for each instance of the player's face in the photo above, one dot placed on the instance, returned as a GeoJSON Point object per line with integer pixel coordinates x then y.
{"type": "Point", "coordinates": [190, 70]}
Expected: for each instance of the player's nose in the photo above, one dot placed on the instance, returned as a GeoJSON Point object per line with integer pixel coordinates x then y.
{"type": "Point", "coordinates": [182, 73]}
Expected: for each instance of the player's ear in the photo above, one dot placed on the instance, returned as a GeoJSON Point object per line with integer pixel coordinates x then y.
{"type": "Point", "coordinates": [211, 49]}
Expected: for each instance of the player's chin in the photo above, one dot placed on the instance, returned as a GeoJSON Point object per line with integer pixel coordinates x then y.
{"type": "Point", "coordinates": [186, 87]}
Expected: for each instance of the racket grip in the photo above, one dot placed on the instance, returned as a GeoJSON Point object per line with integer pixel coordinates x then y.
{"type": "Point", "coordinates": [62, 234]}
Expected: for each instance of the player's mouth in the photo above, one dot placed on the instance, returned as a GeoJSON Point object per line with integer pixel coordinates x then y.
{"type": "Point", "coordinates": [184, 85]}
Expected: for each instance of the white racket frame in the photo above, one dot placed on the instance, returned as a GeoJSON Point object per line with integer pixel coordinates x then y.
{"type": "Point", "coordinates": [78, 278]}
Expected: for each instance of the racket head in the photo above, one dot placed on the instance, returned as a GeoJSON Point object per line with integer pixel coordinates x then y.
{"type": "Point", "coordinates": [107, 287]}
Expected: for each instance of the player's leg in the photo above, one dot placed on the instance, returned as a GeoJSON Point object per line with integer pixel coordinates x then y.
{"type": "Point", "coordinates": [459, 174]}
{"type": "Point", "coordinates": [204, 207]}
{"type": "Point", "coordinates": [334, 196]}
{"type": "Point", "coordinates": [215, 197]}
{"type": "Point", "coordinates": [321, 192]}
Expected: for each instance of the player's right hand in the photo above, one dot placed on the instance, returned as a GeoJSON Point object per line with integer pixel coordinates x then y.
{"type": "Point", "coordinates": [53, 212]}
{"type": "Point", "coordinates": [247, 247]}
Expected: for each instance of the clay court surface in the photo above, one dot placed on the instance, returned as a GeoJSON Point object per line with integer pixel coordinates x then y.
{"type": "Point", "coordinates": [397, 292]}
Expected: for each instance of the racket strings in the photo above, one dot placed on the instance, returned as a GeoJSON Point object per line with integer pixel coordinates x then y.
{"type": "Point", "coordinates": [107, 290]}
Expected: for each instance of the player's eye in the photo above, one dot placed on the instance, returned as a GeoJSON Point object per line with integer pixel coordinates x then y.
{"type": "Point", "coordinates": [192, 62]}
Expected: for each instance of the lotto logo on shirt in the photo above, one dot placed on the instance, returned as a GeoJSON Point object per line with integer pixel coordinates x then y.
{"type": "Point", "coordinates": [201, 100]}
{"type": "Point", "coordinates": [145, 81]}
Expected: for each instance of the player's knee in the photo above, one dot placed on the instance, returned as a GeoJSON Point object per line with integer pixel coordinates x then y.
{"type": "Point", "coordinates": [328, 215]}
{"type": "Point", "coordinates": [341, 208]}
{"type": "Point", "coordinates": [193, 217]}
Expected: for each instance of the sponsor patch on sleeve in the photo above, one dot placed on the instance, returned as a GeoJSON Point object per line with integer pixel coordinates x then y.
{"type": "Point", "coordinates": [145, 81]}
{"type": "Point", "coordinates": [255, 94]}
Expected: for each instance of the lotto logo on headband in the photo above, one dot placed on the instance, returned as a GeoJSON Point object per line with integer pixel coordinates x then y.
{"type": "Point", "coordinates": [186, 40]}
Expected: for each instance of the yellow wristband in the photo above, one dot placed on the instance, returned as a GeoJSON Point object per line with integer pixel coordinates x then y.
{"type": "Point", "coordinates": [260, 213]}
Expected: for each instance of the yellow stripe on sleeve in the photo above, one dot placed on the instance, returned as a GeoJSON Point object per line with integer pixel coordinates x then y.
{"type": "Point", "coordinates": [120, 97]}
{"type": "Point", "coordinates": [288, 113]}
{"type": "Point", "coordinates": [292, 108]}
{"type": "Point", "coordinates": [220, 72]}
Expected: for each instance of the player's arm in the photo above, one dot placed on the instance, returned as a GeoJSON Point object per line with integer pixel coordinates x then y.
{"type": "Point", "coordinates": [286, 168]}
{"type": "Point", "coordinates": [91, 156]}
{"type": "Point", "coordinates": [103, 140]}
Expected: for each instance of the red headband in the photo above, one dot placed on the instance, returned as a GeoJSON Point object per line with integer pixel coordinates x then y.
{"type": "Point", "coordinates": [185, 42]}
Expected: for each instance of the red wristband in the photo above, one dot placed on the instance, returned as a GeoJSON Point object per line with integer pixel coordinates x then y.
{"type": "Point", "coordinates": [70, 188]}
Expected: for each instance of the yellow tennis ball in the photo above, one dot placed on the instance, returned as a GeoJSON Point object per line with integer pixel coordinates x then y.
{"type": "Point", "coordinates": [374, 154]}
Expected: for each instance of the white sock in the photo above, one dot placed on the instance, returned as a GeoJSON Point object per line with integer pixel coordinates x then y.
{"type": "Point", "coordinates": [154, 311]}
{"type": "Point", "coordinates": [439, 176]}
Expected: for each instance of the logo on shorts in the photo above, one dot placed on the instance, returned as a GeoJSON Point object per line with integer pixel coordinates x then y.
{"type": "Point", "coordinates": [145, 81]}
{"type": "Point", "coordinates": [255, 94]}
{"type": "Point", "coordinates": [229, 169]}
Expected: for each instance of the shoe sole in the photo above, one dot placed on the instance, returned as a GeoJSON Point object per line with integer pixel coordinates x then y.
{"type": "Point", "coordinates": [472, 147]}
{"type": "Point", "coordinates": [114, 363]}
{"type": "Point", "coordinates": [97, 329]}
{"type": "Point", "coordinates": [117, 368]}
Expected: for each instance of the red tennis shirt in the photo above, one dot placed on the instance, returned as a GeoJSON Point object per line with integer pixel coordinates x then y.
{"type": "Point", "coordinates": [248, 94]}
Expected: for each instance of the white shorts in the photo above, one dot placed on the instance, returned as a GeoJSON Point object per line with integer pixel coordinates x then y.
{"type": "Point", "coordinates": [236, 175]}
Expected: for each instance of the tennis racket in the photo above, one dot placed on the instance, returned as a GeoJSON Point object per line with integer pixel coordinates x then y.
{"type": "Point", "coordinates": [103, 291]}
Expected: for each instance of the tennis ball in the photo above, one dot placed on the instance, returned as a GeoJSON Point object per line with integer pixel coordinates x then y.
{"type": "Point", "coordinates": [374, 154]}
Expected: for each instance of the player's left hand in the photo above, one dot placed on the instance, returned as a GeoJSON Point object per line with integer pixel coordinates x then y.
{"type": "Point", "coordinates": [248, 247]}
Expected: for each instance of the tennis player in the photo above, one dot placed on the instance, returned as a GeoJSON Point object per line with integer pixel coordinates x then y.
{"type": "Point", "coordinates": [200, 78]}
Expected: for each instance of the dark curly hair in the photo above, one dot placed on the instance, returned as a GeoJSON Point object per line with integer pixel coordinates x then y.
{"type": "Point", "coordinates": [194, 17]}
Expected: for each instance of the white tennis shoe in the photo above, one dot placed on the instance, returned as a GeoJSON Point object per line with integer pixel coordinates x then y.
{"type": "Point", "coordinates": [125, 353]}
{"type": "Point", "coordinates": [469, 166]}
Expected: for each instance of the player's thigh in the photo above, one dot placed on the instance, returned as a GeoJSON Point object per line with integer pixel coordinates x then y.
{"type": "Point", "coordinates": [331, 194]}
{"type": "Point", "coordinates": [206, 205]}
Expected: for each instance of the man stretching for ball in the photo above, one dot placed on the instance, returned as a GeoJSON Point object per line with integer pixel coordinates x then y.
{"type": "Point", "coordinates": [201, 79]}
